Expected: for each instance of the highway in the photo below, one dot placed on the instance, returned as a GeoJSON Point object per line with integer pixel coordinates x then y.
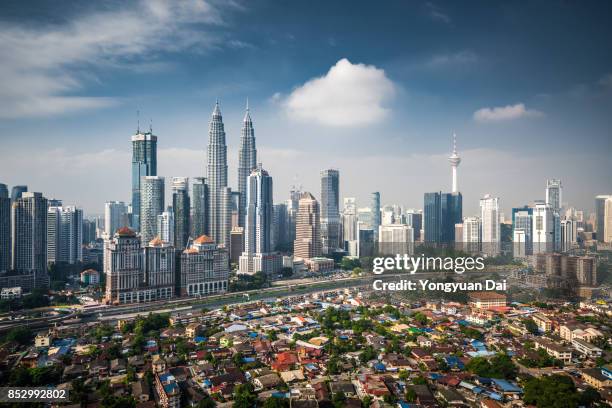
{"type": "Point", "coordinates": [280, 289]}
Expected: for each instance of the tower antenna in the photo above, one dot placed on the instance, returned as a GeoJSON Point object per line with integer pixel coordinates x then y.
{"type": "Point", "coordinates": [138, 121]}
{"type": "Point", "coordinates": [151, 126]}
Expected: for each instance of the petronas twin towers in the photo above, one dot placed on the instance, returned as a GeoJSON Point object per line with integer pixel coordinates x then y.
{"type": "Point", "coordinates": [220, 202]}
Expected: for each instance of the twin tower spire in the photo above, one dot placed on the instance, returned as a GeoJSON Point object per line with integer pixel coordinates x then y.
{"type": "Point", "coordinates": [216, 172]}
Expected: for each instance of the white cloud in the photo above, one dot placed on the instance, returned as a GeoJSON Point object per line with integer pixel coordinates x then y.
{"type": "Point", "coordinates": [348, 95]}
{"type": "Point", "coordinates": [460, 58]}
{"type": "Point", "coordinates": [502, 113]}
{"type": "Point", "coordinates": [436, 13]}
{"type": "Point", "coordinates": [44, 68]}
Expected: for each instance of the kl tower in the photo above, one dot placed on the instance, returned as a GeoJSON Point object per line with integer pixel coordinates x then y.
{"type": "Point", "coordinates": [454, 160]}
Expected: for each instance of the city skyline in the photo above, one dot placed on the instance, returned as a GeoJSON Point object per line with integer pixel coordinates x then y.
{"type": "Point", "coordinates": [543, 126]}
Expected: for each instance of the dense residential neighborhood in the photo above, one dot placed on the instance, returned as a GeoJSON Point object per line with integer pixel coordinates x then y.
{"type": "Point", "coordinates": [345, 348]}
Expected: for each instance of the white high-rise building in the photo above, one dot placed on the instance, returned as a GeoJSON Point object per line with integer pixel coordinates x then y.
{"type": "Point", "coordinates": [490, 225]}
{"type": "Point", "coordinates": [522, 230]}
{"type": "Point", "coordinates": [151, 205]}
{"type": "Point", "coordinates": [602, 220]}
{"type": "Point", "coordinates": [395, 239]}
{"type": "Point", "coordinates": [64, 234]}
{"type": "Point", "coordinates": [607, 230]}
{"type": "Point", "coordinates": [472, 238]}
{"type": "Point", "coordinates": [568, 234]}
{"type": "Point", "coordinates": [349, 219]}
{"type": "Point", "coordinates": [165, 227]}
{"type": "Point", "coordinates": [553, 194]}
{"type": "Point", "coordinates": [543, 228]}
{"type": "Point", "coordinates": [257, 255]}
{"type": "Point", "coordinates": [115, 216]}
{"type": "Point", "coordinates": [454, 160]}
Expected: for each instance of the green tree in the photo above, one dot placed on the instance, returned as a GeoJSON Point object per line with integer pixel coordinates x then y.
{"type": "Point", "coordinates": [555, 391]}
{"type": "Point", "coordinates": [21, 335]}
{"type": "Point", "coordinates": [338, 399]}
{"type": "Point", "coordinates": [207, 402]}
{"type": "Point", "coordinates": [276, 403]}
{"type": "Point", "coordinates": [244, 397]}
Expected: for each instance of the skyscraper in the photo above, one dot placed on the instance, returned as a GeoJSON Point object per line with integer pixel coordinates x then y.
{"type": "Point", "coordinates": [199, 202]}
{"type": "Point", "coordinates": [152, 204]}
{"type": "Point", "coordinates": [376, 221]}
{"type": "Point", "coordinates": [489, 218]}
{"type": "Point", "coordinates": [568, 234]}
{"type": "Point", "coordinates": [543, 228]}
{"type": "Point", "coordinates": [414, 219]}
{"type": "Point", "coordinates": [441, 212]}
{"type": "Point", "coordinates": [293, 204]}
{"type": "Point", "coordinates": [330, 211]}
{"type": "Point", "coordinates": [165, 227]}
{"type": "Point", "coordinates": [349, 222]}
{"type": "Point", "coordinates": [5, 229]}
{"type": "Point", "coordinates": [522, 230]}
{"type": "Point", "coordinates": [123, 268]}
{"type": "Point", "coordinates": [600, 216]}
{"type": "Point", "coordinates": [471, 235]}
{"type": "Point", "coordinates": [64, 234]}
{"type": "Point", "coordinates": [307, 228]}
{"type": "Point", "coordinates": [395, 239]}
{"type": "Point", "coordinates": [181, 207]}
{"type": "Point", "coordinates": [247, 162]}
{"type": "Point", "coordinates": [29, 239]}
{"type": "Point", "coordinates": [279, 227]}
{"type": "Point", "coordinates": [216, 172]}
{"type": "Point", "coordinates": [115, 216]}
{"type": "Point", "coordinates": [454, 160]}
{"type": "Point", "coordinates": [144, 163]}
{"type": "Point", "coordinates": [17, 191]}
{"type": "Point", "coordinates": [607, 230]}
{"type": "Point", "coordinates": [553, 194]}
{"type": "Point", "coordinates": [258, 225]}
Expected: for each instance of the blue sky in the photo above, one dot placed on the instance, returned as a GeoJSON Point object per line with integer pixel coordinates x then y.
{"type": "Point", "coordinates": [374, 89]}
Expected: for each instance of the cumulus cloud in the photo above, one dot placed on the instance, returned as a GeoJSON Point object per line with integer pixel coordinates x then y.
{"type": "Point", "coordinates": [348, 95]}
{"type": "Point", "coordinates": [45, 66]}
{"type": "Point", "coordinates": [503, 113]}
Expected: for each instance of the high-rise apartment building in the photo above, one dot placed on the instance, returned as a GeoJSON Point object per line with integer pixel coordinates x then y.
{"type": "Point", "coordinates": [216, 174]}
{"type": "Point", "coordinates": [247, 162]}
{"type": "Point", "coordinates": [151, 205]}
{"type": "Point", "coordinates": [115, 216]}
{"type": "Point", "coordinates": [64, 235]}
{"type": "Point", "coordinates": [600, 216]}
{"type": "Point", "coordinates": [471, 239]}
{"type": "Point", "coordinates": [181, 208]}
{"type": "Point", "coordinates": [204, 268]}
{"type": "Point", "coordinates": [5, 229]}
{"type": "Point", "coordinates": [165, 227]}
{"type": "Point", "coordinates": [29, 240]}
{"type": "Point", "coordinates": [199, 205]}
{"type": "Point", "coordinates": [144, 163]}
{"type": "Point", "coordinates": [330, 211]}
{"type": "Point", "coordinates": [279, 227]}
{"type": "Point", "coordinates": [490, 225]}
{"type": "Point", "coordinates": [307, 228]}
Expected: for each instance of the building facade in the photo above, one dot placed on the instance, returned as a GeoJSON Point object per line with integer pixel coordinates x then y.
{"type": "Point", "coordinates": [330, 211]}
{"type": "Point", "coordinates": [181, 207]}
{"type": "Point", "coordinates": [204, 268]}
{"type": "Point", "coordinates": [247, 162]}
{"type": "Point", "coordinates": [151, 205]}
{"type": "Point", "coordinates": [115, 216]}
{"type": "Point", "coordinates": [307, 229]}
{"type": "Point", "coordinates": [5, 229]}
{"type": "Point", "coordinates": [490, 225]}
{"type": "Point", "coordinates": [199, 205]}
{"type": "Point", "coordinates": [144, 163]}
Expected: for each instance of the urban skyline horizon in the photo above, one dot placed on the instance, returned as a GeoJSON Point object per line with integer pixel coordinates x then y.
{"type": "Point", "coordinates": [362, 202]}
